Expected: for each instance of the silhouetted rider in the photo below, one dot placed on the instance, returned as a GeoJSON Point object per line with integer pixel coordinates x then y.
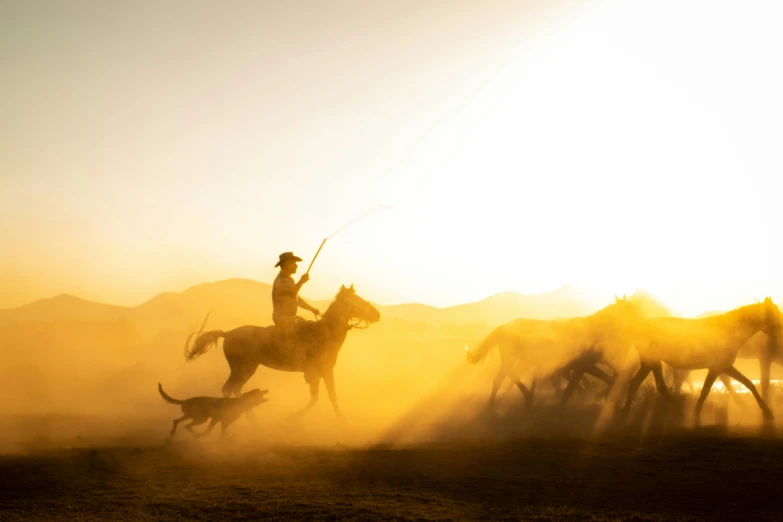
{"type": "Point", "coordinates": [285, 295]}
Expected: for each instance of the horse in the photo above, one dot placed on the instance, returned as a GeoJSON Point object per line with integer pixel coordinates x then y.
{"type": "Point", "coordinates": [710, 342]}
{"type": "Point", "coordinates": [554, 348]}
{"type": "Point", "coordinates": [312, 349]}
{"type": "Point", "coordinates": [766, 352]}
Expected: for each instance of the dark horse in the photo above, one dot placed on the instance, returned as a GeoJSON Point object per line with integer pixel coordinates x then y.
{"type": "Point", "coordinates": [312, 349]}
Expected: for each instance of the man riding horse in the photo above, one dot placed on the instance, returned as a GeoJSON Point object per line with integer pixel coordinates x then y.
{"type": "Point", "coordinates": [285, 296]}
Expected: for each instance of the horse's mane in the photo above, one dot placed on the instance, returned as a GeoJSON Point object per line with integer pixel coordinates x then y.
{"type": "Point", "coordinates": [739, 312]}
{"type": "Point", "coordinates": [343, 289]}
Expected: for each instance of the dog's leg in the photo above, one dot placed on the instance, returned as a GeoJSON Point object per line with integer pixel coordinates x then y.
{"type": "Point", "coordinates": [224, 424]}
{"type": "Point", "coordinates": [227, 421]}
{"type": "Point", "coordinates": [209, 428]}
{"type": "Point", "coordinates": [189, 427]}
{"type": "Point", "coordinates": [175, 424]}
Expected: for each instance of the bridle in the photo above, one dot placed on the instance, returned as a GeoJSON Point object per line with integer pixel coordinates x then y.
{"type": "Point", "coordinates": [360, 324]}
{"type": "Point", "coordinates": [348, 308]}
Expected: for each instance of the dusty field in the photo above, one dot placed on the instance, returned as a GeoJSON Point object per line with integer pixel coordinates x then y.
{"type": "Point", "coordinates": [547, 473]}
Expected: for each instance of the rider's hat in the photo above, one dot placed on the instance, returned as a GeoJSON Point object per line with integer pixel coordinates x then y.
{"type": "Point", "coordinates": [285, 256]}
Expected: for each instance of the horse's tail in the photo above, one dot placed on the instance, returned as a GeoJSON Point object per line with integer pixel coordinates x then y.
{"type": "Point", "coordinates": [202, 343]}
{"type": "Point", "coordinates": [166, 397]}
{"type": "Point", "coordinates": [481, 351]}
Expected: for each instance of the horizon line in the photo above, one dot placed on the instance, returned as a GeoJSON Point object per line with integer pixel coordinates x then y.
{"type": "Point", "coordinates": [65, 294]}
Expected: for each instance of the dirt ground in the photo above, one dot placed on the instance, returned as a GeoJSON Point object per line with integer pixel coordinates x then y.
{"type": "Point", "coordinates": [517, 466]}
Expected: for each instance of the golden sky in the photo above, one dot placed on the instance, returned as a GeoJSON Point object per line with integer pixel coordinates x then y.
{"type": "Point", "coordinates": [149, 146]}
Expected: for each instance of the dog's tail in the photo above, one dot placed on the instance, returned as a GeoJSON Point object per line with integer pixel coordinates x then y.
{"type": "Point", "coordinates": [166, 397]}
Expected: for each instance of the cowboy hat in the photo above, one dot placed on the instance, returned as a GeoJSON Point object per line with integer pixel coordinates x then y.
{"type": "Point", "coordinates": [286, 256]}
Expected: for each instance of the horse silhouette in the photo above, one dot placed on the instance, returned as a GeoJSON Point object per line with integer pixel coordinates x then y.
{"type": "Point", "coordinates": [312, 349]}
{"type": "Point", "coordinates": [554, 348]}
{"type": "Point", "coordinates": [766, 353]}
{"type": "Point", "coordinates": [711, 342]}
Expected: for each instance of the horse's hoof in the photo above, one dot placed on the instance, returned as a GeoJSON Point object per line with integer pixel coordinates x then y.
{"type": "Point", "coordinates": [491, 414]}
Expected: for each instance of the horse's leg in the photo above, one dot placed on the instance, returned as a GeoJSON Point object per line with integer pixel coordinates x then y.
{"type": "Point", "coordinates": [496, 382]}
{"type": "Point", "coordinates": [315, 381]}
{"type": "Point", "coordinates": [533, 384]}
{"type": "Point", "coordinates": [669, 372]}
{"type": "Point", "coordinates": [228, 388]}
{"type": "Point", "coordinates": [678, 378]}
{"type": "Point", "coordinates": [554, 380]}
{"type": "Point", "coordinates": [730, 388]}
{"type": "Point", "coordinates": [247, 372]}
{"type": "Point", "coordinates": [530, 395]}
{"type": "Point", "coordinates": [526, 393]}
{"type": "Point", "coordinates": [513, 374]}
{"type": "Point", "coordinates": [764, 366]}
{"type": "Point", "coordinates": [705, 390]}
{"type": "Point", "coordinates": [568, 373]}
{"type": "Point", "coordinates": [241, 372]}
{"type": "Point", "coordinates": [660, 382]}
{"type": "Point", "coordinates": [595, 371]}
{"type": "Point", "coordinates": [573, 382]}
{"type": "Point", "coordinates": [637, 381]}
{"type": "Point", "coordinates": [329, 382]}
{"type": "Point", "coordinates": [736, 375]}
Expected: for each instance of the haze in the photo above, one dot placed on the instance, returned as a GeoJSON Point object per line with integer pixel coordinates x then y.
{"type": "Point", "coordinates": [149, 147]}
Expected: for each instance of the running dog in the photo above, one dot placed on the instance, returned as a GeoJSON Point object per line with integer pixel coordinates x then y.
{"type": "Point", "coordinates": [222, 410]}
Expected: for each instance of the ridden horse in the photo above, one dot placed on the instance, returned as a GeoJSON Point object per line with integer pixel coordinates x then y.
{"type": "Point", "coordinates": [312, 349]}
{"type": "Point", "coordinates": [710, 342]}
{"type": "Point", "coordinates": [553, 348]}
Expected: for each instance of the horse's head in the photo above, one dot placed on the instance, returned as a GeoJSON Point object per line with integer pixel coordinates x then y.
{"type": "Point", "coordinates": [349, 305]}
{"type": "Point", "coordinates": [624, 310]}
{"type": "Point", "coordinates": [762, 316]}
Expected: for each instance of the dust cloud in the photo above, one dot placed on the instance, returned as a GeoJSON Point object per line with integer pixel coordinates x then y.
{"type": "Point", "coordinates": [87, 383]}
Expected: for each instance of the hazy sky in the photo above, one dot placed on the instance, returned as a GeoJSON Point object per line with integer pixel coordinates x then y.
{"type": "Point", "coordinates": [149, 146]}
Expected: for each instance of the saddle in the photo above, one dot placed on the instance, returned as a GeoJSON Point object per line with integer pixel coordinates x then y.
{"type": "Point", "coordinates": [294, 335]}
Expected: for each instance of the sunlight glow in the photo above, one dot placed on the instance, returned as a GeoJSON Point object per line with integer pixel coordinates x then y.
{"type": "Point", "coordinates": [611, 145]}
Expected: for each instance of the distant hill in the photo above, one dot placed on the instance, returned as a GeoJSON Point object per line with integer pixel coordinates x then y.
{"type": "Point", "coordinates": [567, 301]}
{"type": "Point", "coordinates": [63, 306]}
{"type": "Point", "coordinates": [234, 302]}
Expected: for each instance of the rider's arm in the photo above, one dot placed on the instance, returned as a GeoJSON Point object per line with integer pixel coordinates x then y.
{"type": "Point", "coordinates": [305, 278]}
{"type": "Point", "coordinates": [303, 304]}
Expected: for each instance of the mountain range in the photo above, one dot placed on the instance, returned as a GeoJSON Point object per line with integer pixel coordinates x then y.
{"type": "Point", "coordinates": [234, 302]}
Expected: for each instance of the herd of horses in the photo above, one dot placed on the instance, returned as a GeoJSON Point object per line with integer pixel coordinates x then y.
{"type": "Point", "coordinates": [601, 344]}
{"type": "Point", "coordinates": [614, 335]}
